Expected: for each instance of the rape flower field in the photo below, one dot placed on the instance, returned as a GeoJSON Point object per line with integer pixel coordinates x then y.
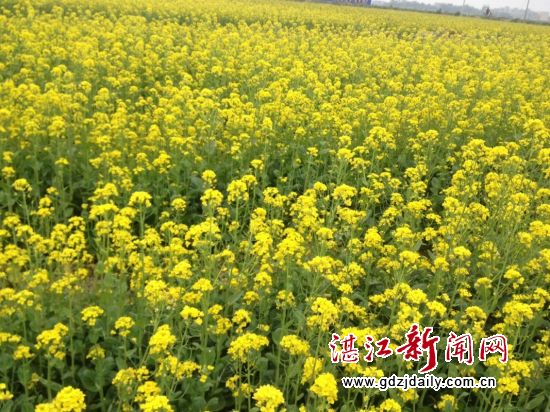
{"type": "Point", "coordinates": [195, 195]}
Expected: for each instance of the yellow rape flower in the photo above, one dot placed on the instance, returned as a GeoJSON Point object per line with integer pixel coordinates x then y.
{"type": "Point", "coordinates": [268, 398]}
{"type": "Point", "coordinates": [22, 185]}
{"type": "Point", "coordinates": [325, 386]}
{"type": "Point", "coordinates": [162, 340]}
{"type": "Point", "coordinates": [140, 199]}
{"type": "Point", "coordinates": [91, 314]}
{"type": "Point", "coordinates": [294, 345]}
{"type": "Point", "coordinates": [122, 326]}
{"type": "Point", "coordinates": [244, 345]}
{"type": "Point", "coordinates": [5, 394]}
{"type": "Point", "coordinates": [52, 341]}
{"type": "Point", "coordinates": [68, 399]}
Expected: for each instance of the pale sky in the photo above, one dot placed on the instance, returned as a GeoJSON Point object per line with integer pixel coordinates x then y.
{"type": "Point", "coordinates": [536, 5]}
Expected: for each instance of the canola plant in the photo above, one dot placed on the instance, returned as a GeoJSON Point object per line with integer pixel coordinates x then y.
{"type": "Point", "coordinates": [194, 196]}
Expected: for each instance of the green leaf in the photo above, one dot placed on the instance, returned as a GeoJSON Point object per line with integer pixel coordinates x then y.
{"type": "Point", "coordinates": [88, 379]}
{"type": "Point", "coordinates": [6, 362]}
{"type": "Point", "coordinates": [535, 402]}
{"type": "Point", "coordinates": [24, 374]}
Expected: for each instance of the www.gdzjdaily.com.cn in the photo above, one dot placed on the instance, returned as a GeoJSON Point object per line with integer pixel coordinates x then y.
{"type": "Point", "coordinates": [414, 381]}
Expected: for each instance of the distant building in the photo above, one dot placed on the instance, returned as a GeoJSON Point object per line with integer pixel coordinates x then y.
{"type": "Point", "coordinates": [365, 2]}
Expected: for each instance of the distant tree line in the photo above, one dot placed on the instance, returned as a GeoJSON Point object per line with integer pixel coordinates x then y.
{"type": "Point", "coordinates": [499, 13]}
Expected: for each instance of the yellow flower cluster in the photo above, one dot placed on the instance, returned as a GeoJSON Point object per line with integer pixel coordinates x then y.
{"type": "Point", "coordinates": [294, 345]}
{"type": "Point", "coordinates": [326, 387]}
{"type": "Point", "coordinates": [67, 399]}
{"type": "Point", "coordinates": [91, 314]}
{"type": "Point", "coordinates": [162, 340]}
{"type": "Point", "coordinates": [244, 345]}
{"type": "Point", "coordinates": [268, 398]}
{"type": "Point", "coordinates": [51, 341]}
